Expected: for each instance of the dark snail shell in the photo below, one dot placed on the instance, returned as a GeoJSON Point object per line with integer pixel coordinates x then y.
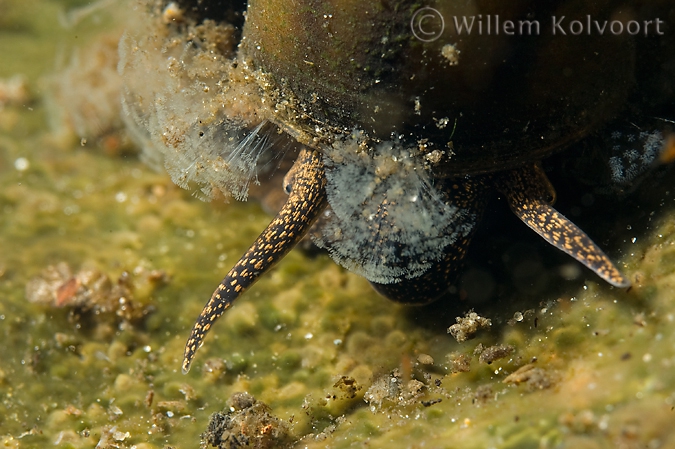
{"type": "Point", "coordinates": [509, 100]}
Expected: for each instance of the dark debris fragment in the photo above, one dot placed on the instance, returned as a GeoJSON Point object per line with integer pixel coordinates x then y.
{"type": "Point", "coordinates": [496, 352]}
{"type": "Point", "coordinates": [246, 423]}
{"type": "Point", "coordinates": [347, 386]}
{"type": "Point", "coordinates": [431, 402]}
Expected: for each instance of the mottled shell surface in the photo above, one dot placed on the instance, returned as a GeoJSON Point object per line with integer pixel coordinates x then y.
{"type": "Point", "coordinates": [507, 100]}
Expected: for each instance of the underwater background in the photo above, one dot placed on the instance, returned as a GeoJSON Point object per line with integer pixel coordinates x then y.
{"type": "Point", "coordinates": [105, 263]}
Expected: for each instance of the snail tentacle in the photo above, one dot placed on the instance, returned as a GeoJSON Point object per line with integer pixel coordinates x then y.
{"type": "Point", "coordinates": [530, 195]}
{"type": "Point", "coordinates": [306, 201]}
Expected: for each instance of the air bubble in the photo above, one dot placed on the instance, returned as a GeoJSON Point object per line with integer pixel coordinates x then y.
{"type": "Point", "coordinates": [21, 164]}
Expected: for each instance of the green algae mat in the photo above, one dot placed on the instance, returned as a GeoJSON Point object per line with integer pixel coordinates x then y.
{"type": "Point", "coordinates": [105, 264]}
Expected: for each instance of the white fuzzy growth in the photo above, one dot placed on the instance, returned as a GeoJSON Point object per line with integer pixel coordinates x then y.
{"type": "Point", "coordinates": [616, 167]}
{"type": "Point", "coordinates": [388, 221]}
{"type": "Point", "coordinates": [634, 155]}
{"type": "Point", "coordinates": [193, 112]}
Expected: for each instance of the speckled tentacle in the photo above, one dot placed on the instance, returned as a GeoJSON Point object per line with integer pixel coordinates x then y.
{"type": "Point", "coordinates": [306, 200]}
{"type": "Point", "coordinates": [530, 195]}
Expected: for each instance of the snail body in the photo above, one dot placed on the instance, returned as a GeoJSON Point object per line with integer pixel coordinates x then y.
{"type": "Point", "coordinates": [400, 144]}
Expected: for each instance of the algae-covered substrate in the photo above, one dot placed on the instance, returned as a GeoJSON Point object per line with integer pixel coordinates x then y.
{"type": "Point", "coordinates": [105, 264]}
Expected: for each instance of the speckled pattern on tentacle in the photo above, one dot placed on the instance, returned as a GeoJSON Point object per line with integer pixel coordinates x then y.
{"type": "Point", "coordinates": [305, 202]}
{"type": "Point", "coordinates": [530, 193]}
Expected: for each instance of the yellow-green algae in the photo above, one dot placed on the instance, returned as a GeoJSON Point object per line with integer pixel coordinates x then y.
{"type": "Point", "coordinates": [609, 355]}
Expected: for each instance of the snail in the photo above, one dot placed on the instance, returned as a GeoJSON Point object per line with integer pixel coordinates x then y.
{"type": "Point", "coordinates": [402, 139]}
